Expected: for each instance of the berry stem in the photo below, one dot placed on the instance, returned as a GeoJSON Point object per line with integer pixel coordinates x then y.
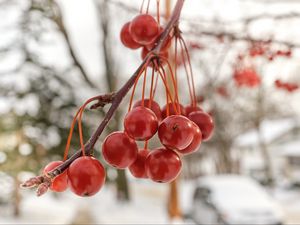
{"type": "Point", "coordinates": [120, 94]}
{"type": "Point", "coordinates": [144, 87]}
{"type": "Point", "coordinates": [144, 69]}
{"type": "Point", "coordinates": [168, 93]}
{"type": "Point", "coordinates": [158, 11]}
{"type": "Point", "coordinates": [155, 85]}
{"type": "Point", "coordinates": [102, 100]}
{"type": "Point", "coordinates": [148, 7]}
{"type": "Point", "coordinates": [80, 132]}
{"type": "Point", "coordinates": [187, 76]}
{"type": "Point", "coordinates": [142, 6]}
{"type": "Point", "coordinates": [173, 81]}
{"type": "Point", "coordinates": [151, 89]}
{"type": "Point", "coordinates": [190, 68]}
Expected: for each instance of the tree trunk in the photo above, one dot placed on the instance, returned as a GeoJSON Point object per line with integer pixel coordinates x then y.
{"type": "Point", "coordinates": [267, 158]}
{"type": "Point", "coordinates": [262, 145]}
{"type": "Point", "coordinates": [173, 203]}
{"type": "Point", "coordinates": [17, 198]}
{"type": "Point", "coordinates": [122, 186]}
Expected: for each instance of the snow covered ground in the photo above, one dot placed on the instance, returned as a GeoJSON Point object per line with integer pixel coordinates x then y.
{"type": "Point", "coordinates": [148, 206]}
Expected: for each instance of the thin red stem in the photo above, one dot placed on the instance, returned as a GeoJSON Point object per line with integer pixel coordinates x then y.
{"type": "Point", "coordinates": [168, 93]}
{"type": "Point", "coordinates": [173, 81]}
{"type": "Point", "coordinates": [142, 6]}
{"type": "Point", "coordinates": [151, 89]}
{"type": "Point", "coordinates": [191, 69]}
{"type": "Point", "coordinates": [70, 135]}
{"type": "Point", "coordinates": [158, 11]}
{"type": "Point", "coordinates": [146, 145]}
{"type": "Point", "coordinates": [148, 7]}
{"type": "Point", "coordinates": [136, 81]}
{"type": "Point", "coordinates": [80, 131]}
{"type": "Point", "coordinates": [187, 75]}
{"type": "Point", "coordinates": [144, 87]}
{"type": "Point", "coordinates": [155, 85]}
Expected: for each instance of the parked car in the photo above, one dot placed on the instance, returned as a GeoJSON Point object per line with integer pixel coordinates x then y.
{"type": "Point", "coordinates": [233, 199]}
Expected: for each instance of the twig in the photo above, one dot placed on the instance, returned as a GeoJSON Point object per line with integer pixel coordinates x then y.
{"type": "Point", "coordinates": [234, 37]}
{"type": "Point", "coordinates": [43, 181]}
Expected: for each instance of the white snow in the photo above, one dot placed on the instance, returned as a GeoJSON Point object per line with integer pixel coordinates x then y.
{"type": "Point", "coordinates": [270, 130]}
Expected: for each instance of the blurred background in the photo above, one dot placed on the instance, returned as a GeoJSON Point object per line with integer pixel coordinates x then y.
{"type": "Point", "coordinates": [245, 56]}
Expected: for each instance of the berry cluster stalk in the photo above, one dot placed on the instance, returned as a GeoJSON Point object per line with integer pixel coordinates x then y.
{"type": "Point", "coordinates": [116, 100]}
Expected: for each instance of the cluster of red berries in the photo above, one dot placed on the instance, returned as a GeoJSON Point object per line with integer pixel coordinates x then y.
{"type": "Point", "coordinates": [143, 32]}
{"type": "Point", "coordinates": [264, 49]}
{"type": "Point", "coordinates": [179, 135]}
{"type": "Point", "coordinates": [288, 86]}
{"type": "Point", "coordinates": [247, 77]}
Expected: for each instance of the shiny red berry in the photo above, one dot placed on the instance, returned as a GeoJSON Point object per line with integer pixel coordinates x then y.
{"type": "Point", "coordinates": [195, 145]}
{"type": "Point", "coordinates": [204, 122]}
{"type": "Point", "coordinates": [172, 111]}
{"type": "Point", "coordinates": [189, 109]}
{"type": "Point", "coordinates": [126, 38]}
{"type": "Point", "coordinates": [60, 182]}
{"type": "Point", "coordinates": [137, 169]}
{"type": "Point", "coordinates": [163, 165]}
{"type": "Point", "coordinates": [86, 176]}
{"type": "Point", "coordinates": [119, 150]}
{"type": "Point", "coordinates": [176, 132]}
{"type": "Point", "coordinates": [154, 107]}
{"type": "Point", "coordinates": [144, 29]}
{"type": "Point", "coordinates": [140, 123]}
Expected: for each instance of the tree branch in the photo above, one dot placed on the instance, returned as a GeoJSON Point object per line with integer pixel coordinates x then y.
{"type": "Point", "coordinates": [40, 181]}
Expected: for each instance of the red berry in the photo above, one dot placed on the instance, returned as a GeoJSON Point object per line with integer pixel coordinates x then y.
{"type": "Point", "coordinates": [288, 53]}
{"type": "Point", "coordinates": [60, 182]}
{"type": "Point", "coordinates": [119, 150]}
{"type": "Point", "coordinates": [278, 83]}
{"type": "Point", "coordinates": [195, 145]}
{"type": "Point", "coordinates": [163, 165]}
{"type": "Point", "coordinates": [246, 77]}
{"type": "Point", "coordinates": [154, 107]}
{"type": "Point", "coordinates": [137, 169]}
{"type": "Point", "coordinates": [176, 132]}
{"type": "Point", "coordinates": [172, 111]}
{"type": "Point", "coordinates": [145, 53]}
{"type": "Point", "coordinates": [144, 29]}
{"type": "Point", "coordinates": [126, 38]}
{"type": "Point", "coordinates": [204, 122]}
{"type": "Point", "coordinates": [86, 176]}
{"type": "Point", "coordinates": [141, 123]}
{"type": "Point", "coordinates": [189, 109]}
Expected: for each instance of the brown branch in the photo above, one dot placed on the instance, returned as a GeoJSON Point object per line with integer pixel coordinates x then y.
{"type": "Point", "coordinates": [42, 181]}
{"type": "Point", "coordinates": [103, 100]}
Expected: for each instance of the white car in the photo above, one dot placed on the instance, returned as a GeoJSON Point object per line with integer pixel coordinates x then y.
{"type": "Point", "coordinates": [233, 199]}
